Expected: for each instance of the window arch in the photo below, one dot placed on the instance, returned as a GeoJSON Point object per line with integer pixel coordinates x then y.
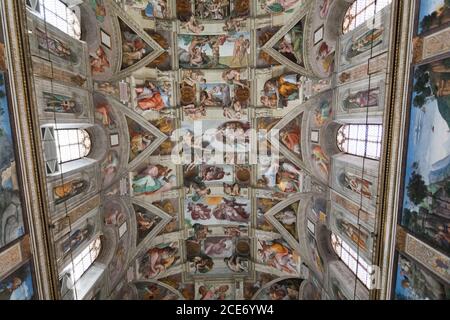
{"type": "Point", "coordinates": [361, 11]}
{"type": "Point", "coordinates": [72, 144]}
{"type": "Point", "coordinates": [352, 260]}
{"type": "Point", "coordinates": [58, 14]}
{"type": "Point", "coordinates": [363, 140]}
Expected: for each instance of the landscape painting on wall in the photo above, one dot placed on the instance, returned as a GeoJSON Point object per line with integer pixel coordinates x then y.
{"type": "Point", "coordinates": [11, 218]}
{"type": "Point", "coordinates": [415, 283]}
{"type": "Point", "coordinates": [433, 14]}
{"type": "Point", "coordinates": [426, 210]}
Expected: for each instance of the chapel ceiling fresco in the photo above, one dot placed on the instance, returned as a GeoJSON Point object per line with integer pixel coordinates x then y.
{"type": "Point", "coordinates": [177, 82]}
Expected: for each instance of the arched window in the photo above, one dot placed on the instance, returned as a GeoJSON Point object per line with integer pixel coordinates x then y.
{"type": "Point", "coordinates": [86, 258]}
{"type": "Point", "coordinates": [56, 13]}
{"type": "Point", "coordinates": [72, 144]}
{"type": "Point", "coordinates": [362, 140]}
{"type": "Point", "coordinates": [72, 282]}
{"type": "Point", "coordinates": [351, 259]}
{"type": "Point", "coordinates": [361, 11]}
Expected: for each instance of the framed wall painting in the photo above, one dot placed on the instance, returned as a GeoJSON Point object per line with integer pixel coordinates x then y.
{"type": "Point", "coordinates": [425, 189]}
{"type": "Point", "coordinates": [431, 16]}
{"type": "Point", "coordinates": [414, 282]}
